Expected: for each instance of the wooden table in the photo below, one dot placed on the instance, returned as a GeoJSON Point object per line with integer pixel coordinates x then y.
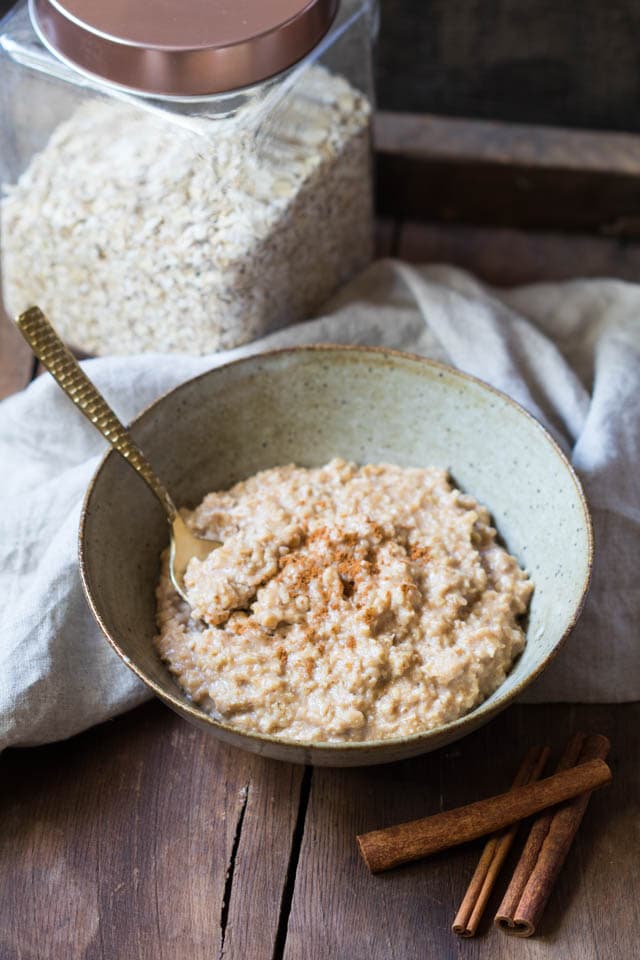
{"type": "Point", "coordinates": [145, 838]}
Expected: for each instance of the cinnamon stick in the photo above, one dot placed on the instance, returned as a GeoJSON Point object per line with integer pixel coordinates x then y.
{"type": "Point", "coordinates": [547, 846]}
{"type": "Point", "coordinates": [383, 849]}
{"type": "Point", "coordinates": [533, 845]}
{"type": "Point", "coordinates": [494, 854]}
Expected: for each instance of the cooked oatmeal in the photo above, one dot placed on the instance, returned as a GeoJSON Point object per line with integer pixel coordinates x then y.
{"type": "Point", "coordinates": [346, 603]}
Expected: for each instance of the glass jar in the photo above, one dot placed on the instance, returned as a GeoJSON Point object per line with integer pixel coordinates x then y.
{"type": "Point", "coordinates": [187, 178]}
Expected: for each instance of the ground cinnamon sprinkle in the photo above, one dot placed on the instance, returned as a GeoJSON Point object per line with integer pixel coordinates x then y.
{"type": "Point", "coordinates": [378, 530]}
{"type": "Point", "coordinates": [342, 555]}
{"type": "Point", "coordinates": [369, 617]}
{"type": "Point", "coordinates": [305, 569]}
{"type": "Point", "coordinates": [349, 568]}
{"type": "Point", "coordinates": [419, 553]}
{"type": "Point", "coordinates": [321, 534]}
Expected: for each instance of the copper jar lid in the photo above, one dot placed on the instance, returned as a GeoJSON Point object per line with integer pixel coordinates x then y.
{"type": "Point", "coordinates": [182, 48]}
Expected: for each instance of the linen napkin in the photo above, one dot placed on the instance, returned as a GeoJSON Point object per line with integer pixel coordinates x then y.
{"type": "Point", "coordinates": [568, 352]}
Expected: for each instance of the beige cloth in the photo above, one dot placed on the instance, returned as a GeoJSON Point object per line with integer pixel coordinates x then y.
{"type": "Point", "coordinates": [570, 353]}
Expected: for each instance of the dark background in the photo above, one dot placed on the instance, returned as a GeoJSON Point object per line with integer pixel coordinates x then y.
{"type": "Point", "coordinates": [554, 62]}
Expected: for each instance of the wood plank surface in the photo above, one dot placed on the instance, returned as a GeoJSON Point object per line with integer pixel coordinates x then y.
{"type": "Point", "coordinates": [506, 257]}
{"type": "Point", "coordinates": [341, 911]}
{"type": "Point", "coordinates": [143, 838]}
{"type": "Point", "coordinates": [146, 838]}
{"type": "Point", "coordinates": [489, 174]}
{"type": "Point", "coordinates": [466, 139]}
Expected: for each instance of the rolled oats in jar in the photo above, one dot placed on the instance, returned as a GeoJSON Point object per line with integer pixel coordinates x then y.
{"type": "Point", "coordinates": [183, 184]}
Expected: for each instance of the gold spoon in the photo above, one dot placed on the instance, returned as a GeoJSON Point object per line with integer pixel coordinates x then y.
{"type": "Point", "coordinates": [64, 368]}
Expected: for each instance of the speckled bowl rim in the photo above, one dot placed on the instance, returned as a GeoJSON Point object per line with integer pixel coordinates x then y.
{"type": "Point", "coordinates": [484, 711]}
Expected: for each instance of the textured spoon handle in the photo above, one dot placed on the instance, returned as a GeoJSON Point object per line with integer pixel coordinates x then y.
{"type": "Point", "coordinates": [64, 368]}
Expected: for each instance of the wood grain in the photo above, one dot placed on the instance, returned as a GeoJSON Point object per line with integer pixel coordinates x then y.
{"type": "Point", "coordinates": [128, 841]}
{"type": "Point", "coordinates": [506, 257]}
{"type": "Point", "coordinates": [339, 910]}
{"type": "Point", "coordinates": [444, 169]}
{"type": "Point", "coordinates": [468, 140]}
{"type": "Point", "coordinates": [262, 859]}
{"type": "Point", "coordinates": [145, 838]}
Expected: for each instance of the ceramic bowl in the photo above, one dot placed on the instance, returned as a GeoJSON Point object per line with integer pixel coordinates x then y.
{"type": "Point", "coordinates": [307, 405]}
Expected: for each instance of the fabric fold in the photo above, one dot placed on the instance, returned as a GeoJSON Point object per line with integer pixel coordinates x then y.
{"type": "Point", "coordinates": [568, 352]}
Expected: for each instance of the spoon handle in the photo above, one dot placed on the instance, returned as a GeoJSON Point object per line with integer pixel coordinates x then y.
{"type": "Point", "coordinates": [65, 369]}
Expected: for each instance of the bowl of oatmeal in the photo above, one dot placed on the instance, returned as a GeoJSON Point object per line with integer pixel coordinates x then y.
{"type": "Point", "coordinates": [404, 550]}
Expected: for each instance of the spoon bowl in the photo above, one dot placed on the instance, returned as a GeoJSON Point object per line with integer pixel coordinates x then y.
{"type": "Point", "coordinates": [185, 546]}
